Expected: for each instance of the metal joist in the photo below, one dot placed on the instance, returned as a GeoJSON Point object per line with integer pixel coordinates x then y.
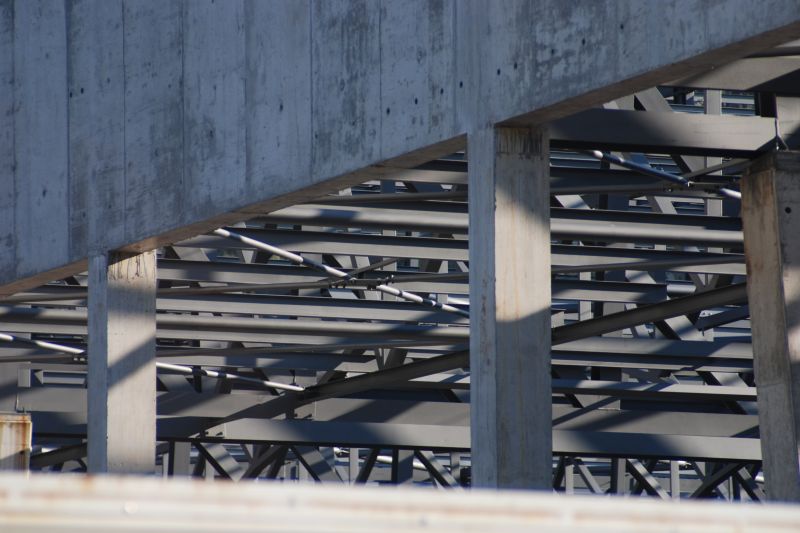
{"type": "Point", "coordinates": [566, 224]}
{"type": "Point", "coordinates": [637, 131]}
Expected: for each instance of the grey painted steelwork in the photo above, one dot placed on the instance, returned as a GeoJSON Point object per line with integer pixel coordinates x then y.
{"type": "Point", "coordinates": [346, 149]}
{"type": "Point", "coordinates": [333, 272]}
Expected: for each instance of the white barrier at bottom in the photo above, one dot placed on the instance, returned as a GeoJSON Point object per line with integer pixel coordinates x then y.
{"type": "Point", "coordinates": [76, 503]}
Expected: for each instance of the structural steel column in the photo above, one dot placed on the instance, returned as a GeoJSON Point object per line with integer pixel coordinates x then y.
{"type": "Point", "coordinates": [121, 358]}
{"type": "Point", "coordinates": [771, 218]}
{"type": "Point", "coordinates": [509, 252]}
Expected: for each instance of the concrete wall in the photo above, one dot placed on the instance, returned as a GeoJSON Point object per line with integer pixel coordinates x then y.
{"type": "Point", "coordinates": [132, 124]}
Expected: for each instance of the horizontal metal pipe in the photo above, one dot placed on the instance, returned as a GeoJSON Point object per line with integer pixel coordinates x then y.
{"type": "Point", "coordinates": [191, 370]}
{"type": "Point", "coordinates": [168, 324]}
{"type": "Point", "coordinates": [177, 323]}
{"type": "Point", "coordinates": [219, 299]}
{"type": "Point", "coordinates": [290, 350]}
{"type": "Point", "coordinates": [644, 169]}
{"type": "Point", "coordinates": [4, 337]}
{"type": "Point", "coordinates": [565, 224]}
{"type": "Point", "coordinates": [731, 193]}
{"type": "Point", "coordinates": [719, 297]}
{"type": "Point", "coordinates": [453, 334]}
{"type": "Point", "coordinates": [563, 180]}
{"type": "Point", "coordinates": [61, 348]}
{"type": "Point", "coordinates": [76, 295]}
{"type": "Point", "coordinates": [359, 244]}
{"type": "Point", "coordinates": [648, 170]}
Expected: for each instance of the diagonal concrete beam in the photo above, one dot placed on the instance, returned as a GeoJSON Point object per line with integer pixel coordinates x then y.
{"type": "Point", "coordinates": [137, 124]}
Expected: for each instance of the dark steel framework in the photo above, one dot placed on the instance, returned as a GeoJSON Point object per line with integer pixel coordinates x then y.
{"type": "Point", "coordinates": [653, 388]}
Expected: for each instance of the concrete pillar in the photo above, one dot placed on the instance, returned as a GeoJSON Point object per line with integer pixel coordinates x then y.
{"type": "Point", "coordinates": [509, 261]}
{"type": "Point", "coordinates": [121, 358]}
{"type": "Point", "coordinates": [15, 441]}
{"type": "Point", "coordinates": [771, 216]}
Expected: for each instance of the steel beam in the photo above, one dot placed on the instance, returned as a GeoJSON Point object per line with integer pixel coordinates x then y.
{"type": "Point", "coordinates": [566, 224]}
{"type": "Point", "coordinates": [733, 294]}
{"type": "Point", "coordinates": [636, 131]}
{"type": "Point", "coordinates": [760, 74]}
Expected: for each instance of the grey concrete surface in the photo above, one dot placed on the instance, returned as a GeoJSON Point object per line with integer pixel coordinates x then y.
{"type": "Point", "coordinates": [132, 124]}
{"type": "Point", "coordinates": [121, 421]}
{"type": "Point", "coordinates": [16, 434]}
{"type": "Point", "coordinates": [509, 206]}
{"type": "Point", "coordinates": [770, 200]}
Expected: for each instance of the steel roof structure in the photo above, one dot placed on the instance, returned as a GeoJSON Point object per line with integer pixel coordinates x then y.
{"type": "Point", "coordinates": [328, 336]}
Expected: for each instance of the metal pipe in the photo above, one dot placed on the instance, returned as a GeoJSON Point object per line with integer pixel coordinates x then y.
{"type": "Point", "coordinates": [354, 283]}
{"type": "Point", "coordinates": [650, 171]}
{"type": "Point", "coordinates": [42, 344]}
{"type": "Point", "coordinates": [644, 169]}
{"type": "Point", "coordinates": [300, 260]}
{"type": "Point", "coordinates": [310, 348]}
{"type": "Point", "coordinates": [225, 375]}
{"type": "Point", "coordinates": [730, 193]}
{"type": "Point", "coordinates": [565, 224]}
{"type": "Point", "coordinates": [163, 366]}
{"type": "Point", "coordinates": [391, 197]}
{"type": "Point", "coordinates": [698, 259]}
{"type": "Point", "coordinates": [73, 322]}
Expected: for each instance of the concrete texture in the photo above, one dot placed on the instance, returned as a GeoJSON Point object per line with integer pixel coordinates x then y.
{"type": "Point", "coordinates": [121, 421]}
{"type": "Point", "coordinates": [134, 124]}
{"type": "Point", "coordinates": [15, 441]}
{"type": "Point", "coordinates": [770, 200]}
{"type": "Point", "coordinates": [509, 206]}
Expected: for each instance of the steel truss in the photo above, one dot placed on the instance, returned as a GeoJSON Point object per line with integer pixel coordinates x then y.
{"type": "Point", "coordinates": [653, 389]}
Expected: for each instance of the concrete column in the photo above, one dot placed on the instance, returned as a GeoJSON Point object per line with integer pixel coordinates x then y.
{"type": "Point", "coordinates": [15, 441]}
{"type": "Point", "coordinates": [121, 358]}
{"type": "Point", "coordinates": [509, 261]}
{"type": "Point", "coordinates": [771, 216]}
